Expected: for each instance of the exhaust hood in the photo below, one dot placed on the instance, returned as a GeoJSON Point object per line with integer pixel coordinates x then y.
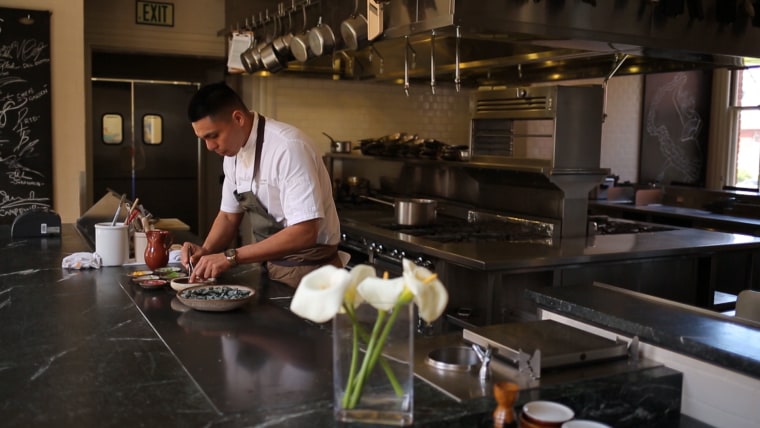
{"type": "Point", "coordinates": [518, 42]}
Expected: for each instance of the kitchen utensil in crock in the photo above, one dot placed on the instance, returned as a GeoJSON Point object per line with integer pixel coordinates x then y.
{"type": "Point", "coordinates": [410, 211]}
{"type": "Point", "coordinates": [353, 30]}
{"type": "Point", "coordinates": [321, 39]}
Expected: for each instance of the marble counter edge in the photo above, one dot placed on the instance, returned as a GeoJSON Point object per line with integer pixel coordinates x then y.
{"type": "Point", "coordinates": [647, 333]}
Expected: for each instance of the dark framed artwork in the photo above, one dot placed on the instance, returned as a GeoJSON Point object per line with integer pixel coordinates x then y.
{"type": "Point", "coordinates": [674, 128]}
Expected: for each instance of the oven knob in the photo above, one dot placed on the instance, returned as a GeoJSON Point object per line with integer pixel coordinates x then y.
{"type": "Point", "coordinates": [379, 248]}
{"type": "Point", "coordinates": [420, 261]}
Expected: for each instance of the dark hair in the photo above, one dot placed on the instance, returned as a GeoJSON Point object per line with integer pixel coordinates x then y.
{"type": "Point", "coordinates": [213, 99]}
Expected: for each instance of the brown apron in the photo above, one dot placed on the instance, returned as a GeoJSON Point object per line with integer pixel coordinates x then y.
{"type": "Point", "coordinates": [291, 268]}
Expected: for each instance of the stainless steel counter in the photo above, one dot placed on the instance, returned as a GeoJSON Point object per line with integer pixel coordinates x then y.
{"type": "Point", "coordinates": [506, 255]}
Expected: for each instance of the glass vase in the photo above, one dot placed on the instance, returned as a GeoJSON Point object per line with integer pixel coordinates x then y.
{"type": "Point", "coordinates": [373, 373]}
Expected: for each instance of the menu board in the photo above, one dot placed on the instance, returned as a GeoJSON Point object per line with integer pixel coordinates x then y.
{"type": "Point", "coordinates": [26, 160]}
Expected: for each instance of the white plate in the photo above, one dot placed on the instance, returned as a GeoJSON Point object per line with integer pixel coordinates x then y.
{"type": "Point", "coordinates": [548, 412]}
{"type": "Point", "coordinates": [582, 423]}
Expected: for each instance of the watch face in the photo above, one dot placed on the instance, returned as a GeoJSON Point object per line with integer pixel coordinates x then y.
{"type": "Point", "coordinates": [231, 255]}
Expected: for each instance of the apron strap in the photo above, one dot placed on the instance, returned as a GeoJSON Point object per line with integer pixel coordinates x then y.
{"type": "Point", "coordinates": [259, 145]}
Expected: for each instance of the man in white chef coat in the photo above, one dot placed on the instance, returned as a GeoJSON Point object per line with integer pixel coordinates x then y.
{"type": "Point", "coordinates": [273, 174]}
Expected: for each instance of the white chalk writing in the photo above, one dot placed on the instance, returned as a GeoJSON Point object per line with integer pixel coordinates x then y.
{"type": "Point", "coordinates": [25, 158]}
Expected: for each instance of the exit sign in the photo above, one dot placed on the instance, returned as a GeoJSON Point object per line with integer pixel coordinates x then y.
{"type": "Point", "coordinates": [155, 13]}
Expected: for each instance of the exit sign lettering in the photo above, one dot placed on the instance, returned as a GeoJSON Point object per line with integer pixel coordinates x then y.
{"type": "Point", "coordinates": [155, 13]}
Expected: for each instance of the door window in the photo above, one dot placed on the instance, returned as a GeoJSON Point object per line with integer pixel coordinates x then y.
{"type": "Point", "coordinates": [153, 129]}
{"type": "Point", "coordinates": [112, 128]}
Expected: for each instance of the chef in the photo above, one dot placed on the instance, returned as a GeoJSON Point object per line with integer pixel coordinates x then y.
{"type": "Point", "coordinates": [274, 175]}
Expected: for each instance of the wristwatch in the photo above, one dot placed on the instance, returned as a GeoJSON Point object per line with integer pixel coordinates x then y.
{"type": "Point", "coordinates": [231, 255]}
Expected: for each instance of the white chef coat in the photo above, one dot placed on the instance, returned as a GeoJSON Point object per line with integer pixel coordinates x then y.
{"type": "Point", "coordinates": [292, 183]}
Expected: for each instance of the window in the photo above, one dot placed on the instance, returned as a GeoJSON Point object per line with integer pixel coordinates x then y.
{"type": "Point", "coordinates": [152, 129]}
{"type": "Point", "coordinates": [744, 111]}
{"type": "Point", "coordinates": [112, 128]}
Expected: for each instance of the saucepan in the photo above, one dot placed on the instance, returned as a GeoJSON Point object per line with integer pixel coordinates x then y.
{"type": "Point", "coordinates": [339, 146]}
{"type": "Point", "coordinates": [411, 211]}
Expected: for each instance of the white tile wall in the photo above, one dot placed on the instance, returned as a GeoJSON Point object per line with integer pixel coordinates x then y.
{"type": "Point", "coordinates": [352, 110]}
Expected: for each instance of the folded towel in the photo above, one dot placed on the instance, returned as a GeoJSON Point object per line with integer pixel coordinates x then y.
{"type": "Point", "coordinates": [175, 256]}
{"type": "Point", "coordinates": [82, 261]}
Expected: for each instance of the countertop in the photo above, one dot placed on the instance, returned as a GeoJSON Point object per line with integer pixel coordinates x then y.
{"type": "Point", "coordinates": [725, 341]}
{"type": "Point", "coordinates": [506, 255]}
{"type": "Point", "coordinates": [677, 212]}
{"type": "Point", "coordinates": [90, 348]}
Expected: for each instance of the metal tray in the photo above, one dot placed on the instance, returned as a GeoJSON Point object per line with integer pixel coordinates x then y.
{"type": "Point", "coordinates": [558, 344]}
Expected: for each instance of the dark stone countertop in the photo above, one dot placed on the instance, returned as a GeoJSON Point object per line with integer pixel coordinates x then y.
{"type": "Point", "coordinates": [506, 255]}
{"type": "Point", "coordinates": [701, 216]}
{"type": "Point", "coordinates": [90, 348]}
{"type": "Point", "coordinates": [725, 341]}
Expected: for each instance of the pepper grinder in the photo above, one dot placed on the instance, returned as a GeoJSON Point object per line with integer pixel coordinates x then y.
{"type": "Point", "coordinates": [505, 394]}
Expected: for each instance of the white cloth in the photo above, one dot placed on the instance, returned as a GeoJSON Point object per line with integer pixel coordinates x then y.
{"type": "Point", "coordinates": [175, 256]}
{"type": "Point", "coordinates": [82, 261]}
{"type": "Point", "coordinates": [293, 183]}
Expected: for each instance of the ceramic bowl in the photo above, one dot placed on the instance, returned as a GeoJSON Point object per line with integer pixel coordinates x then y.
{"type": "Point", "coordinates": [141, 278]}
{"type": "Point", "coordinates": [215, 305]}
{"type": "Point", "coordinates": [139, 273]}
{"type": "Point", "coordinates": [153, 284]}
{"type": "Point", "coordinates": [179, 284]}
{"type": "Point", "coordinates": [582, 423]}
{"type": "Point", "coordinates": [546, 413]}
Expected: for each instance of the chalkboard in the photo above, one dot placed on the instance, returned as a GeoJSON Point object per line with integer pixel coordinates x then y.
{"type": "Point", "coordinates": [674, 128]}
{"type": "Point", "coordinates": [26, 158]}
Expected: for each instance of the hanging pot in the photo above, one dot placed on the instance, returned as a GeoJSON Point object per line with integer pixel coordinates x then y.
{"type": "Point", "coordinates": [411, 211]}
{"type": "Point", "coordinates": [321, 39]}
{"type": "Point", "coordinates": [354, 30]}
{"type": "Point", "coordinates": [272, 60]}
{"type": "Point", "coordinates": [299, 44]}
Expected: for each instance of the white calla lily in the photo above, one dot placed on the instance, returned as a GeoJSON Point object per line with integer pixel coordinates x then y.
{"type": "Point", "coordinates": [430, 295]}
{"type": "Point", "coordinates": [381, 293]}
{"type": "Point", "coordinates": [320, 294]}
{"type": "Point", "coordinates": [356, 276]}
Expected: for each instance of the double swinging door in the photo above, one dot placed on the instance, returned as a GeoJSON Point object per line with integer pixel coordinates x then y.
{"type": "Point", "coordinates": [144, 146]}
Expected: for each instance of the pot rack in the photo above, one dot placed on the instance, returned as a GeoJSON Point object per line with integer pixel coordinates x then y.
{"type": "Point", "coordinates": [266, 18]}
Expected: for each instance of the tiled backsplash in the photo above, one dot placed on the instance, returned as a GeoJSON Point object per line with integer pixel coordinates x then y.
{"type": "Point", "coordinates": [352, 110]}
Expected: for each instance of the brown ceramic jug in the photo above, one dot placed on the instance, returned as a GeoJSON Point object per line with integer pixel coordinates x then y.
{"type": "Point", "coordinates": [157, 250]}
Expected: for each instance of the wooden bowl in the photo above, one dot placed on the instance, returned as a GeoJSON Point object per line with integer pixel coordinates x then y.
{"type": "Point", "coordinates": [216, 305]}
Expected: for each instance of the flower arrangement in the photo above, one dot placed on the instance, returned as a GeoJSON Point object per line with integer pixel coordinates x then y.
{"type": "Point", "coordinates": [328, 290]}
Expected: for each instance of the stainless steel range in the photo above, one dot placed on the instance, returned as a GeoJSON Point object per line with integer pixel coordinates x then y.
{"type": "Point", "coordinates": [518, 204]}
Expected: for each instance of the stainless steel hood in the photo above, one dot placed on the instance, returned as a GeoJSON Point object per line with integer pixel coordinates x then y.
{"type": "Point", "coordinates": [481, 43]}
